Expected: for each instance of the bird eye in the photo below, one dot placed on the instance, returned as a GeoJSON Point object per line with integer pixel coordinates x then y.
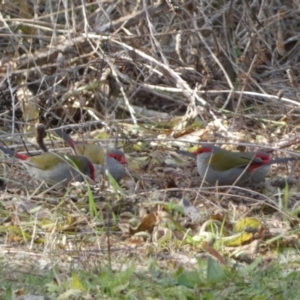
{"type": "Point", "coordinates": [263, 157]}
{"type": "Point", "coordinates": [112, 155]}
{"type": "Point", "coordinates": [199, 151]}
{"type": "Point", "coordinates": [202, 150]}
{"type": "Point", "coordinates": [118, 157]}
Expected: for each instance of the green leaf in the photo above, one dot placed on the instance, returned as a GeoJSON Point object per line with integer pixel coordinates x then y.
{"type": "Point", "coordinates": [92, 206]}
{"type": "Point", "coordinates": [113, 183]}
{"type": "Point", "coordinates": [188, 278]}
{"type": "Point", "coordinates": [8, 293]}
{"type": "Point", "coordinates": [76, 283]}
{"type": "Point", "coordinates": [215, 271]}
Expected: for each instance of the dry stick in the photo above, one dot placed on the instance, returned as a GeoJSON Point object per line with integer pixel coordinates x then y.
{"type": "Point", "coordinates": [40, 135]}
{"type": "Point", "coordinates": [226, 76]}
{"type": "Point", "coordinates": [180, 83]}
{"type": "Point", "coordinates": [217, 60]}
{"type": "Point", "coordinates": [253, 14]}
{"type": "Point", "coordinates": [248, 75]}
{"type": "Point", "coordinates": [115, 74]}
{"type": "Point", "coordinates": [41, 58]}
{"type": "Point", "coordinates": [224, 71]}
{"type": "Point", "coordinates": [15, 125]}
{"type": "Point", "coordinates": [135, 17]}
{"type": "Point", "coordinates": [191, 111]}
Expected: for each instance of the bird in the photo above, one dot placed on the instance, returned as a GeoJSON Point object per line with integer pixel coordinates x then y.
{"type": "Point", "coordinates": [112, 160]}
{"type": "Point", "coordinates": [223, 167]}
{"type": "Point", "coordinates": [55, 169]}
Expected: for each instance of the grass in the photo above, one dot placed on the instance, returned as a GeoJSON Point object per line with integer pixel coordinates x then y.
{"type": "Point", "coordinates": [206, 280]}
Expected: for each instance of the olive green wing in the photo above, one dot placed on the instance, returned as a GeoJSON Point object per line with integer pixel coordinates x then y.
{"type": "Point", "coordinates": [225, 160]}
{"type": "Point", "coordinates": [95, 153]}
{"type": "Point", "coordinates": [46, 161]}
